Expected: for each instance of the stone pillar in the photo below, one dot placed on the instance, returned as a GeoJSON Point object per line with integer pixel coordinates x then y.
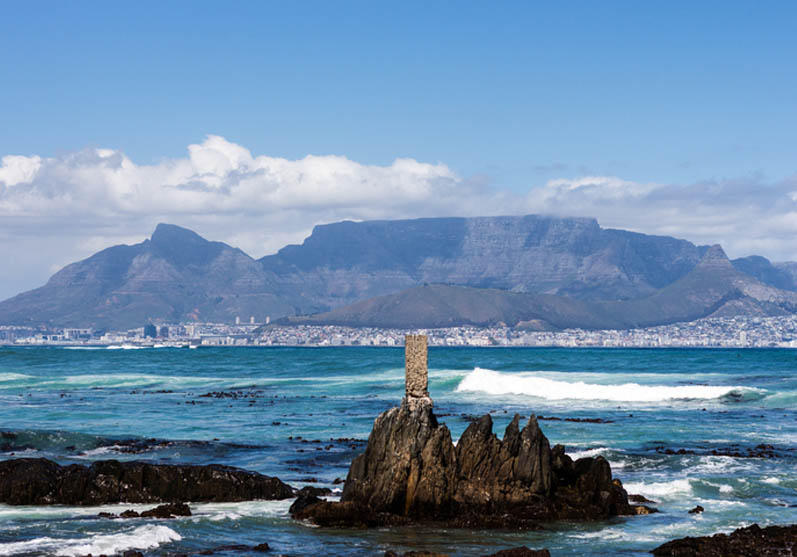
{"type": "Point", "coordinates": [417, 374]}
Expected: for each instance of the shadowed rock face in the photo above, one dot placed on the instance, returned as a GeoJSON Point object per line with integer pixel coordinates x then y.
{"type": "Point", "coordinates": [411, 471]}
{"type": "Point", "coordinates": [38, 481]}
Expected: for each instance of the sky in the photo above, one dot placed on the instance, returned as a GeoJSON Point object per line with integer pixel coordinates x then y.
{"type": "Point", "coordinates": [250, 122]}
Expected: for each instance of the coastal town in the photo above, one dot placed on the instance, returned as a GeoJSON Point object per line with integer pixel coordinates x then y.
{"type": "Point", "coordinates": [734, 332]}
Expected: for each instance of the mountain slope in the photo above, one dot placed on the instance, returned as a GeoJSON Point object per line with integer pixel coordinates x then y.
{"type": "Point", "coordinates": [176, 275]}
{"type": "Point", "coordinates": [713, 287]}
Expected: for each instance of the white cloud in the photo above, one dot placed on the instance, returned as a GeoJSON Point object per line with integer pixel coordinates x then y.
{"type": "Point", "coordinates": [60, 209]}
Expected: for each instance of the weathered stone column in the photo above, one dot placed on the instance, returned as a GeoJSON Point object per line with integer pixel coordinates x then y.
{"type": "Point", "coordinates": [417, 373]}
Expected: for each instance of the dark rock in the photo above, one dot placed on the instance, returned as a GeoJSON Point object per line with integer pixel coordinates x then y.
{"type": "Point", "coordinates": [129, 514]}
{"type": "Point", "coordinates": [697, 510]}
{"type": "Point", "coordinates": [412, 472]}
{"type": "Point", "coordinates": [639, 499]}
{"type": "Point", "coordinates": [262, 547]}
{"type": "Point", "coordinates": [168, 511]}
{"type": "Point", "coordinates": [132, 553]}
{"type": "Point", "coordinates": [302, 502]}
{"type": "Point", "coordinates": [752, 541]}
{"type": "Point", "coordinates": [31, 481]}
{"type": "Point", "coordinates": [521, 551]}
{"type": "Point", "coordinates": [316, 491]}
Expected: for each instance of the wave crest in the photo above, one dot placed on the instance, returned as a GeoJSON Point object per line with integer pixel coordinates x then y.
{"type": "Point", "coordinates": [498, 383]}
{"type": "Point", "coordinates": [143, 537]}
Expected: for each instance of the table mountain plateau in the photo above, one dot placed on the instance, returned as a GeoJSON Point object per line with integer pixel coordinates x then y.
{"type": "Point", "coordinates": [559, 271]}
{"type": "Point", "coordinates": [713, 288]}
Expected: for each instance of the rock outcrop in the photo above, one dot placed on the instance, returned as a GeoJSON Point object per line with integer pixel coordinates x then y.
{"type": "Point", "coordinates": [412, 472]}
{"type": "Point", "coordinates": [752, 541]}
{"type": "Point", "coordinates": [38, 481]}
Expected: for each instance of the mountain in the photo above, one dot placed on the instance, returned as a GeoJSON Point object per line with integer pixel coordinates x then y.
{"type": "Point", "coordinates": [714, 287]}
{"type": "Point", "coordinates": [343, 262]}
{"type": "Point", "coordinates": [177, 275]}
{"type": "Point", "coordinates": [779, 275]}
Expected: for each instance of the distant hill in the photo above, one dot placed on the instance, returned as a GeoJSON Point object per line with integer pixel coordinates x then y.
{"type": "Point", "coordinates": [712, 288]}
{"type": "Point", "coordinates": [177, 275]}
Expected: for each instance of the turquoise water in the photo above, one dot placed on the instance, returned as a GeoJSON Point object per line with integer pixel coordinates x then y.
{"type": "Point", "coordinates": [302, 414]}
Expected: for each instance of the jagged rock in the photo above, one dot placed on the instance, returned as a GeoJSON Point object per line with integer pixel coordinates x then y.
{"type": "Point", "coordinates": [697, 510]}
{"type": "Point", "coordinates": [752, 541]}
{"type": "Point", "coordinates": [412, 472]}
{"type": "Point", "coordinates": [38, 481]}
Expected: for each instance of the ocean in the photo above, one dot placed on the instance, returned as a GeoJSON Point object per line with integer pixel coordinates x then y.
{"type": "Point", "coordinates": [679, 426]}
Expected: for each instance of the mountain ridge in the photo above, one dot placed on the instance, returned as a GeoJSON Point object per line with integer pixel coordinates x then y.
{"type": "Point", "coordinates": [713, 287]}
{"type": "Point", "coordinates": [177, 275]}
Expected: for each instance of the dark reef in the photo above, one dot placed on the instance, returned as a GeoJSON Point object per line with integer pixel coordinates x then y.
{"type": "Point", "coordinates": [38, 481]}
{"type": "Point", "coordinates": [752, 541]}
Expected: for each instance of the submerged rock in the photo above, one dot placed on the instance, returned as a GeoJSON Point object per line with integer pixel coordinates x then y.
{"type": "Point", "coordinates": [170, 510]}
{"type": "Point", "coordinates": [412, 472]}
{"type": "Point", "coordinates": [38, 481]}
{"type": "Point", "coordinates": [752, 541]}
{"type": "Point", "coordinates": [521, 551]}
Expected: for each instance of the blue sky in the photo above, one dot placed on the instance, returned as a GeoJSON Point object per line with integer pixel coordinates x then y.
{"type": "Point", "coordinates": [664, 117]}
{"type": "Point", "coordinates": [662, 91]}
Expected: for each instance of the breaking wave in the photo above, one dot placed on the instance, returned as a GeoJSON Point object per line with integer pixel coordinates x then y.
{"type": "Point", "coordinates": [143, 537]}
{"type": "Point", "coordinates": [498, 383]}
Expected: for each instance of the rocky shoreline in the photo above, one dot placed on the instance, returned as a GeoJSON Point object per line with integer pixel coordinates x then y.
{"type": "Point", "coordinates": [411, 472]}
{"type": "Point", "coordinates": [38, 481]}
{"type": "Point", "coordinates": [752, 541]}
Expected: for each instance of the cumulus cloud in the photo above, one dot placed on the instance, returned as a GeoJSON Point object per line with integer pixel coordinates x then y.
{"type": "Point", "coordinates": [59, 209]}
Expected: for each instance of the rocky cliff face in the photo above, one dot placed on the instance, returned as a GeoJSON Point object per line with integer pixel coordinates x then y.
{"type": "Point", "coordinates": [343, 262]}
{"type": "Point", "coordinates": [411, 471]}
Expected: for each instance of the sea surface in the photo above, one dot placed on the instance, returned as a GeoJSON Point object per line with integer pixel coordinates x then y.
{"type": "Point", "coordinates": [302, 414]}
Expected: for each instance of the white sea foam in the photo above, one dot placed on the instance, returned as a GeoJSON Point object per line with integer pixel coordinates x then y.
{"type": "Point", "coordinates": [231, 511]}
{"type": "Point", "coordinates": [771, 480]}
{"type": "Point", "coordinates": [529, 383]}
{"type": "Point", "coordinates": [661, 490]}
{"type": "Point", "coordinates": [599, 451]}
{"type": "Point", "coordinates": [13, 376]}
{"type": "Point", "coordinates": [54, 512]}
{"type": "Point", "coordinates": [144, 537]}
{"type": "Point", "coordinates": [100, 451]}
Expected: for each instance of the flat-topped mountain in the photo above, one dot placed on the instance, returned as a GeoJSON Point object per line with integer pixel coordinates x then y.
{"type": "Point", "coordinates": [563, 266]}
{"type": "Point", "coordinates": [713, 288]}
{"type": "Point", "coordinates": [348, 261]}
